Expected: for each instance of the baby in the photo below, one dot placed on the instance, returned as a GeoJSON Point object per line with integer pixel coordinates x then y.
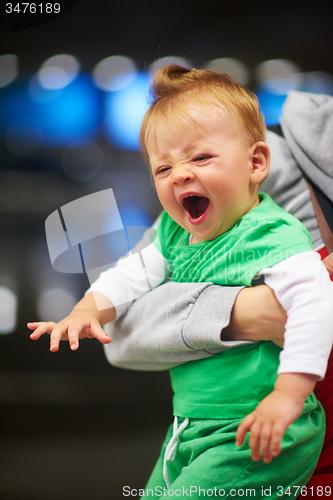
{"type": "Point", "coordinates": [204, 139]}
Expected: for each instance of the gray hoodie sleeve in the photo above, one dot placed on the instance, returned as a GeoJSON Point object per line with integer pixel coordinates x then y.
{"type": "Point", "coordinates": [307, 124]}
{"type": "Point", "coordinates": [182, 322]}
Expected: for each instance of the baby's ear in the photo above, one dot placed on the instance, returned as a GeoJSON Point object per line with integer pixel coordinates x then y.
{"type": "Point", "coordinates": [260, 162]}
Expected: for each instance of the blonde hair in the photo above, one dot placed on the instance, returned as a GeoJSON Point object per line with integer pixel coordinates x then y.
{"type": "Point", "coordinates": [174, 87]}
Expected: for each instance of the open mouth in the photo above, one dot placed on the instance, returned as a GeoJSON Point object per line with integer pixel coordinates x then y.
{"type": "Point", "coordinates": [195, 206]}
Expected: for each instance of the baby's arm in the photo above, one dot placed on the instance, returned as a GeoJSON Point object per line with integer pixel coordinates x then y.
{"type": "Point", "coordinates": [108, 297]}
{"type": "Point", "coordinates": [303, 288]}
{"type": "Point", "coordinates": [275, 413]}
{"type": "Point", "coordinates": [84, 321]}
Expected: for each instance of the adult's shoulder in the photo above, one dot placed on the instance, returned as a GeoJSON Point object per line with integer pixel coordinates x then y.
{"type": "Point", "coordinates": [307, 124]}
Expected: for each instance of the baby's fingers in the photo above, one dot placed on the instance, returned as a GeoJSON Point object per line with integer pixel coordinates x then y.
{"type": "Point", "coordinates": [250, 424]}
{"type": "Point", "coordinates": [32, 325]}
{"type": "Point", "coordinates": [50, 327]}
{"type": "Point", "coordinates": [266, 443]}
{"type": "Point", "coordinates": [254, 442]}
{"type": "Point", "coordinates": [270, 440]}
{"type": "Point", "coordinates": [64, 331]}
{"type": "Point", "coordinates": [40, 329]}
{"type": "Point", "coordinates": [277, 435]}
{"type": "Point", "coordinates": [73, 337]}
{"type": "Point", "coordinates": [243, 428]}
{"type": "Point", "coordinates": [98, 333]}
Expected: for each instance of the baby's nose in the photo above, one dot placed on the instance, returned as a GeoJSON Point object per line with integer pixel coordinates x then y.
{"type": "Point", "coordinates": [182, 174]}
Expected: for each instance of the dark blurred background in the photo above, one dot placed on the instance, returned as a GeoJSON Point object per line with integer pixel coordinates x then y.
{"type": "Point", "coordinates": [72, 94]}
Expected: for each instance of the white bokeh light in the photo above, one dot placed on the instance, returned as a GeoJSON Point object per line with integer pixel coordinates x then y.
{"type": "Point", "coordinates": [55, 303]}
{"type": "Point", "coordinates": [164, 61]}
{"type": "Point", "coordinates": [8, 69]}
{"type": "Point", "coordinates": [41, 94]}
{"type": "Point", "coordinates": [58, 71]}
{"type": "Point", "coordinates": [114, 73]}
{"type": "Point", "coordinates": [233, 67]}
{"type": "Point", "coordinates": [279, 76]}
{"type": "Point", "coordinates": [318, 82]}
{"type": "Point", "coordinates": [8, 310]}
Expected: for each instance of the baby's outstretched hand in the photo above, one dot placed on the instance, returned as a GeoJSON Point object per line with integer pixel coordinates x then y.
{"type": "Point", "coordinates": [72, 328]}
{"type": "Point", "coordinates": [84, 322]}
{"type": "Point", "coordinates": [268, 423]}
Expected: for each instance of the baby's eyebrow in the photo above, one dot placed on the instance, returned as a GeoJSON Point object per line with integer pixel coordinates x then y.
{"type": "Point", "coordinates": [185, 152]}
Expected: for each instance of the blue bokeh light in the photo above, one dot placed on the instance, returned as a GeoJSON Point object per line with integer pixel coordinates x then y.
{"type": "Point", "coordinates": [124, 110]}
{"type": "Point", "coordinates": [134, 215]}
{"type": "Point", "coordinates": [64, 115]}
{"type": "Point", "coordinates": [271, 105]}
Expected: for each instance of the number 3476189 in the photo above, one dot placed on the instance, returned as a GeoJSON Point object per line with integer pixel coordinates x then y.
{"type": "Point", "coordinates": [33, 8]}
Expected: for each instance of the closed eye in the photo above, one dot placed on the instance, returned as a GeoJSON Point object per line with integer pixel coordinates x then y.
{"type": "Point", "coordinates": [162, 170]}
{"type": "Point", "coordinates": [201, 158]}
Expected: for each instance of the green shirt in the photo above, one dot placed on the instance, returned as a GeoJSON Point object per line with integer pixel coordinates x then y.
{"type": "Point", "coordinates": [232, 383]}
{"type": "Point", "coordinates": [261, 238]}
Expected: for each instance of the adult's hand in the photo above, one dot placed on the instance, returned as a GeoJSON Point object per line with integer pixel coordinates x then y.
{"type": "Point", "coordinates": [256, 315]}
{"type": "Point", "coordinates": [328, 261]}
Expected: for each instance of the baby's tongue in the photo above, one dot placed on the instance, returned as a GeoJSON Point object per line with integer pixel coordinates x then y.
{"type": "Point", "coordinates": [195, 205]}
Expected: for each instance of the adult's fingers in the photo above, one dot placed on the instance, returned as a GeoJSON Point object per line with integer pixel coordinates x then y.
{"type": "Point", "coordinates": [328, 261]}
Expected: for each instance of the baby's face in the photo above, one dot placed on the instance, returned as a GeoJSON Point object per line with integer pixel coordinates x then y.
{"type": "Point", "coordinates": [203, 177]}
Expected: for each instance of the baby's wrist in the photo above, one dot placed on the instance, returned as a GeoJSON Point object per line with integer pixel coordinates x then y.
{"type": "Point", "coordinates": [296, 385]}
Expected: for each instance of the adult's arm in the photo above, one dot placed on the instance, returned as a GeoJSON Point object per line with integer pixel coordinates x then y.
{"type": "Point", "coordinates": [179, 322]}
